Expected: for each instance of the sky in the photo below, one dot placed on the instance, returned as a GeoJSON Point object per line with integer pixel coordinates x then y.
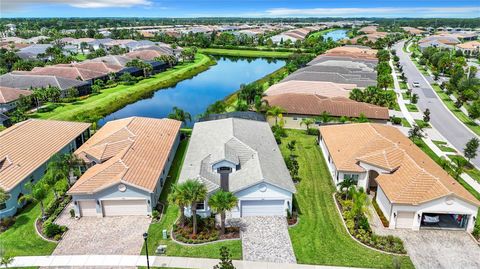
{"type": "Point", "coordinates": [241, 8]}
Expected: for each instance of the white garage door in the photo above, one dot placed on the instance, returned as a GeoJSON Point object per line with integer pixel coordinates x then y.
{"type": "Point", "coordinates": [405, 220]}
{"type": "Point", "coordinates": [88, 208]}
{"type": "Point", "coordinates": [124, 207]}
{"type": "Point", "coordinates": [263, 208]}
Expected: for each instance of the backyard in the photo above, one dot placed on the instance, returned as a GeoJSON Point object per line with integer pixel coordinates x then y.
{"type": "Point", "coordinates": [320, 237]}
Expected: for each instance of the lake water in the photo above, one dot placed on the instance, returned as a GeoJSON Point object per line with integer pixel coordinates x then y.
{"type": "Point", "coordinates": [196, 94]}
{"type": "Point", "coordinates": [336, 35]}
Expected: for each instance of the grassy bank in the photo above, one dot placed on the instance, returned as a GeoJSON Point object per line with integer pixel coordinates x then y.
{"type": "Point", "coordinates": [247, 53]}
{"type": "Point", "coordinates": [113, 99]}
{"type": "Point", "coordinates": [320, 237]}
{"type": "Point", "coordinates": [171, 214]}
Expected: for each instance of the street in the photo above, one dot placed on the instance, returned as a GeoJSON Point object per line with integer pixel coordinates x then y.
{"type": "Point", "coordinates": [441, 118]}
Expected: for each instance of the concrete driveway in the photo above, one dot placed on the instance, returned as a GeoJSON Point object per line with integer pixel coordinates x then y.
{"type": "Point", "coordinates": [441, 118]}
{"type": "Point", "coordinates": [434, 249]}
{"type": "Point", "coordinates": [266, 239]}
{"type": "Point", "coordinates": [108, 236]}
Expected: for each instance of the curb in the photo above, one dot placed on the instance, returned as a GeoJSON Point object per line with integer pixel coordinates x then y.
{"type": "Point", "coordinates": [172, 237]}
{"type": "Point", "coordinates": [40, 234]}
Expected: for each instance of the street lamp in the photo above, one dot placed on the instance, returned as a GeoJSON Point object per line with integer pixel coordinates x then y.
{"type": "Point", "coordinates": [145, 236]}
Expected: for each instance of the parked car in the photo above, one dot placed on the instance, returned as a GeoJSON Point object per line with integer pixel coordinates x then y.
{"type": "Point", "coordinates": [416, 84]}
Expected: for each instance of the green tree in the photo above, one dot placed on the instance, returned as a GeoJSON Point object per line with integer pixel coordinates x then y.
{"type": "Point", "coordinates": [220, 202]}
{"type": "Point", "coordinates": [426, 115]}
{"type": "Point", "coordinates": [180, 115]}
{"type": "Point", "coordinates": [307, 122]}
{"type": "Point", "coordinates": [325, 117]}
{"type": "Point", "coordinates": [6, 260]}
{"type": "Point", "coordinates": [415, 132]}
{"type": "Point", "coordinates": [275, 111]}
{"type": "Point", "coordinates": [225, 259]}
{"type": "Point", "coordinates": [195, 192]}
{"type": "Point", "coordinates": [177, 196]}
{"type": "Point", "coordinates": [346, 184]}
{"type": "Point", "coordinates": [37, 193]}
{"type": "Point", "coordinates": [471, 148]}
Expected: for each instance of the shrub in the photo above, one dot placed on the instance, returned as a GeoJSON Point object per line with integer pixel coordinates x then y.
{"type": "Point", "coordinates": [72, 213]}
{"type": "Point", "coordinates": [313, 131]}
{"type": "Point", "coordinates": [155, 214]}
{"type": "Point", "coordinates": [51, 229]}
{"type": "Point", "coordinates": [6, 222]}
{"type": "Point", "coordinates": [57, 237]}
{"type": "Point", "coordinates": [396, 120]}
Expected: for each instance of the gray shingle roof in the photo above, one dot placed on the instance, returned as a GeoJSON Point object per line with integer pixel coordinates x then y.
{"type": "Point", "coordinates": [24, 81]}
{"type": "Point", "coordinates": [248, 143]}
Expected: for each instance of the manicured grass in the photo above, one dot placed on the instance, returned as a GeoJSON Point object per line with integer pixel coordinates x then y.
{"type": "Point", "coordinates": [246, 53]}
{"type": "Point", "coordinates": [468, 168]}
{"type": "Point", "coordinates": [405, 96]}
{"type": "Point", "coordinates": [171, 214]}
{"type": "Point", "coordinates": [457, 112]}
{"type": "Point", "coordinates": [422, 123]}
{"type": "Point", "coordinates": [405, 123]}
{"type": "Point", "coordinates": [21, 239]}
{"type": "Point", "coordinates": [112, 99]}
{"type": "Point", "coordinates": [403, 86]}
{"type": "Point", "coordinates": [443, 146]}
{"type": "Point", "coordinates": [320, 237]}
{"type": "Point", "coordinates": [80, 57]}
{"type": "Point", "coordinates": [412, 107]}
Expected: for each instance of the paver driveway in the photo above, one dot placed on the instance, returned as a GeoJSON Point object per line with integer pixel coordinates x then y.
{"type": "Point", "coordinates": [441, 249]}
{"type": "Point", "coordinates": [110, 235]}
{"type": "Point", "coordinates": [267, 239]}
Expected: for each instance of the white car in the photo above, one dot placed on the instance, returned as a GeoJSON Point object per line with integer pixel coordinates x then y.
{"type": "Point", "coordinates": [416, 84]}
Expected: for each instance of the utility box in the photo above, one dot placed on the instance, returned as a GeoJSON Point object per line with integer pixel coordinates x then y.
{"type": "Point", "coordinates": [161, 249]}
{"type": "Point", "coordinates": [164, 233]}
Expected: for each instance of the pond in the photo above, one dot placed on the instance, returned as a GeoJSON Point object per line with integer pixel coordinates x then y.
{"type": "Point", "coordinates": [336, 35]}
{"type": "Point", "coordinates": [196, 94]}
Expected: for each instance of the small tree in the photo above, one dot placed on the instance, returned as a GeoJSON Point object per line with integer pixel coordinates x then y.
{"type": "Point", "coordinates": [177, 196]}
{"type": "Point", "coordinates": [180, 115]}
{"type": "Point", "coordinates": [346, 185]}
{"type": "Point", "coordinates": [220, 202]}
{"type": "Point", "coordinates": [414, 98]}
{"type": "Point", "coordinates": [307, 122]}
{"type": "Point", "coordinates": [275, 111]}
{"type": "Point", "coordinates": [470, 150]}
{"type": "Point", "coordinates": [38, 193]}
{"type": "Point", "coordinates": [415, 132]}
{"type": "Point", "coordinates": [195, 192]}
{"type": "Point", "coordinates": [457, 168]}
{"type": "Point", "coordinates": [426, 115]}
{"type": "Point", "coordinates": [6, 260]}
{"type": "Point", "coordinates": [225, 259]}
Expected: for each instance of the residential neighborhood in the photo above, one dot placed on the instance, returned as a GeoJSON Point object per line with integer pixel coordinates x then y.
{"type": "Point", "coordinates": [148, 134]}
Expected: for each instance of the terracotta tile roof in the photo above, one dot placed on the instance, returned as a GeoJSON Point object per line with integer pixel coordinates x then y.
{"type": "Point", "coordinates": [414, 178]}
{"type": "Point", "coordinates": [67, 71]}
{"type": "Point", "coordinates": [131, 150]}
{"type": "Point", "coordinates": [413, 30]}
{"type": "Point", "coordinates": [28, 145]}
{"type": "Point", "coordinates": [368, 29]}
{"type": "Point", "coordinates": [315, 105]}
{"type": "Point", "coordinates": [327, 89]}
{"type": "Point", "coordinates": [352, 51]}
{"type": "Point", "coordinates": [469, 45]}
{"type": "Point", "coordinates": [8, 94]}
{"type": "Point", "coordinates": [146, 55]}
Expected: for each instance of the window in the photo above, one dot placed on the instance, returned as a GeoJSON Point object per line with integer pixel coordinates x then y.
{"type": "Point", "coordinates": [352, 176]}
{"type": "Point", "coordinates": [201, 205]}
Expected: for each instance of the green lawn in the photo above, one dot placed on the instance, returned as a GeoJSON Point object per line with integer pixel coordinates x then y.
{"type": "Point", "coordinates": [246, 53]}
{"type": "Point", "coordinates": [457, 112]}
{"type": "Point", "coordinates": [21, 239]}
{"type": "Point", "coordinates": [422, 123]}
{"type": "Point", "coordinates": [405, 123]}
{"type": "Point", "coordinates": [172, 213]}
{"type": "Point", "coordinates": [403, 86]}
{"type": "Point", "coordinates": [80, 57]}
{"type": "Point", "coordinates": [405, 96]}
{"type": "Point", "coordinates": [320, 237]}
{"type": "Point", "coordinates": [412, 107]}
{"type": "Point", "coordinates": [443, 146]}
{"type": "Point", "coordinates": [112, 99]}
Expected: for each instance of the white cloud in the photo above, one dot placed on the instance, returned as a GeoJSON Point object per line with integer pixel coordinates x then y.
{"type": "Point", "coordinates": [375, 12]}
{"type": "Point", "coordinates": [19, 5]}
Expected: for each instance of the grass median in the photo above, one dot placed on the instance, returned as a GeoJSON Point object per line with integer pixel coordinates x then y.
{"type": "Point", "coordinates": [112, 99]}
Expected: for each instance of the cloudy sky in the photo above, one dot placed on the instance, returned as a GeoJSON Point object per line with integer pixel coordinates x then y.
{"type": "Point", "coordinates": [242, 8]}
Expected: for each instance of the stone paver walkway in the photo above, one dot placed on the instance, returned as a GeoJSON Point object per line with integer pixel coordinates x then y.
{"type": "Point", "coordinates": [267, 239]}
{"type": "Point", "coordinates": [95, 235]}
{"type": "Point", "coordinates": [126, 261]}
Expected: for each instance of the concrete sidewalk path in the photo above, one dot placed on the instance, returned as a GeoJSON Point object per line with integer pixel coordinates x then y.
{"type": "Point", "coordinates": [155, 261]}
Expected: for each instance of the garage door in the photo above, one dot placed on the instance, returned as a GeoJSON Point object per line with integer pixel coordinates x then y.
{"type": "Point", "coordinates": [124, 207]}
{"type": "Point", "coordinates": [405, 220]}
{"type": "Point", "coordinates": [88, 208]}
{"type": "Point", "coordinates": [263, 208]}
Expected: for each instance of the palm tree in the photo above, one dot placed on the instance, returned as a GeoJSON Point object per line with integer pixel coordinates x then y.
{"type": "Point", "coordinates": [275, 111]}
{"type": "Point", "coordinates": [307, 122]}
{"type": "Point", "coordinates": [195, 192]}
{"type": "Point", "coordinates": [362, 118]}
{"type": "Point", "coordinates": [360, 203]}
{"type": "Point", "coordinates": [6, 260]}
{"type": "Point", "coordinates": [346, 185]}
{"type": "Point", "coordinates": [220, 202]}
{"type": "Point", "coordinates": [177, 196]}
{"type": "Point", "coordinates": [38, 193]}
{"type": "Point", "coordinates": [180, 115]}
{"type": "Point", "coordinates": [457, 168]}
{"type": "Point", "coordinates": [325, 117]}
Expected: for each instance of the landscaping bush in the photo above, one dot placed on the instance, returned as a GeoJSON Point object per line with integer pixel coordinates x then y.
{"type": "Point", "coordinates": [51, 229]}
{"type": "Point", "coordinates": [6, 222]}
{"type": "Point", "coordinates": [206, 231]}
{"type": "Point", "coordinates": [72, 213]}
{"type": "Point", "coordinates": [155, 214]}
{"type": "Point", "coordinates": [313, 131]}
{"type": "Point", "coordinates": [476, 228]}
{"type": "Point", "coordinates": [396, 120]}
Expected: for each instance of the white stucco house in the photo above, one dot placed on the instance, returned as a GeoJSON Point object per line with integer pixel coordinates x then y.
{"type": "Point", "coordinates": [240, 156]}
{"type": "Point", "coordinates": [128, 162]}
{"type": "Point", "coordinates": [411, 190]}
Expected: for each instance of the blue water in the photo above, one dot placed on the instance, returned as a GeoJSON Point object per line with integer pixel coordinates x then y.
{"type": "Point", "coordinates": [196, 94]}
{"type": "Point", "coordinates": [336, 35]}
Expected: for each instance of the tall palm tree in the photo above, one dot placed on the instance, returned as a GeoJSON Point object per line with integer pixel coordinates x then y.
{"type": "Point", "coordinates": [275, 111]}
{"type": "Point", "coordinates": [177, 196]}
{"type": "Point", "coordinates": [220, 202]}
{"type": "Point", "coordinates": [360, 203]}
{"type": "Point", "coordinates": [307, 122]}
{"type": "Point", "coordinates": [38, 193]}
{"type": "Point", "coordinates": [180, 115]}
{"type": "Point", "coordinates": [195, 192]}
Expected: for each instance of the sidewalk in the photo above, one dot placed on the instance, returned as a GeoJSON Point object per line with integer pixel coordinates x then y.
{"type": "Point", "coordinates": [408, 116]}
{"type": "Point", "coordinates": [155, 261]}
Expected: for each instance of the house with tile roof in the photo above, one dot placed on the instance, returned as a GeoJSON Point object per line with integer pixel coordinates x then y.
{"type": "Point", "coordinates": [241, 156]}
{"type": "Point", "coordinates": [128, 162]}
{"type": "Point", "coordinates": [9, 97]}
{"type": "Point", "coordinates": [411, 190]}
{"type": "Point", "coordinates": [25, 150]}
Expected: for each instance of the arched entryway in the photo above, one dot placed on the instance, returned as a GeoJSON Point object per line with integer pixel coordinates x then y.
{"type": "Point", "coordinates": [372, 183]}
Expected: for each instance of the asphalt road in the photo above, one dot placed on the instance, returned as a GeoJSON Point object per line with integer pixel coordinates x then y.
{"type": "Point", "coordinates": [440, 117]}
